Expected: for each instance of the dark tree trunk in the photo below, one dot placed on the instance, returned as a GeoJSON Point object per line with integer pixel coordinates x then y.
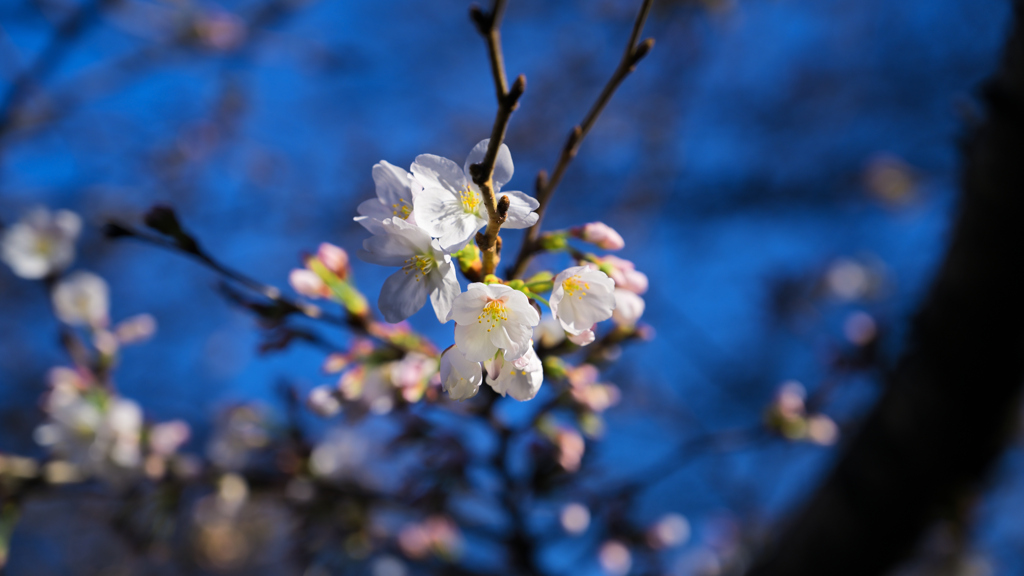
{"type": "Point", "coordinates": [951, 403]}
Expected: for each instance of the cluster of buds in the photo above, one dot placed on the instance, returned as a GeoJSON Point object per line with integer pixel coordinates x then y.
{"type": "Point", "coordinates": [326, 276]}
{"type": "Point", "coordinates": [787, 415]}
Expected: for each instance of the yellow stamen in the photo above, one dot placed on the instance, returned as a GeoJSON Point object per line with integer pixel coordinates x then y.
{"type": "Point", "coordinates": [402, 209]}
{"type": "Point", "coordinates": [470, 199]}
{"type": "Point", "coordinates": [494, 313]}
{"type": "Point", "coordinates": [572, 284]}
{"type": "Point", "coordinates": [420, 265]}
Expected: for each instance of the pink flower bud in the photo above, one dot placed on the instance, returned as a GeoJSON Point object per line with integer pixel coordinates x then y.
{"type": "Point", "coordinates": [603, 235]}
{"type": "Point", "coordinates": [625, 274]}
{"type": "Point", "coordinates": [307, 283]}
{"type": "Point", "coordinates": [583, 338]}
{"type": "Point", "coordinates": [334, 258]}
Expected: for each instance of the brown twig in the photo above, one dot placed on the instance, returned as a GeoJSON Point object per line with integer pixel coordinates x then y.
{"type": "Point", "coordinates": [489, 26]}
{"type": "Point", "coordinates": [635, 51]}
{"type": "Point", "coordinates": [364, 325]}
{"type": "Point", "coordinates": [66, 33]}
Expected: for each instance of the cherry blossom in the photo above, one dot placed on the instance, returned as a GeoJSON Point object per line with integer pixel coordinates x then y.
{"type": "Point", "coordinates": [41, 244]}
{"type": "Point", "coordinates": [624, 273]}
{"type": "Point", "coordinates": [396, 192]}
{"type": "Point", "coordinates": [600, 234]}
{"type": "Point", "coordinates": [82, 299]}
{"type": "Point", "coordinates": [96, 438]}
{"type": "Point", "coordinates": [461, 378]}
{"type": "Point", "coordinates": [520, 378]}
{"type": "Point", "coordinates": [582, 297]}
{"type": "Point", "coordinates": [490, 318]}
{"type": "Point", "coordinates": [629, 307]}
{"type": "Point", "coordinates": [424, 270]}
{"type": "Point", "coordinates": [583, 338]}
{"type": "Point", "coordinates": [451, 208]}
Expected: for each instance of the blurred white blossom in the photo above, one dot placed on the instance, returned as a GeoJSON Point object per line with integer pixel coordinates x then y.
{"type": "Point", "coordinates": [40, 244]}
{"type": "Point", "coordinates": [82, 299]}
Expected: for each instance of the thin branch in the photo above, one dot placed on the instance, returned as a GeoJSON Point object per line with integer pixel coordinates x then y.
{"type": "Point", "coordinates": [508, 100]}
{"type": "Point", "coordinates": [63, 37]}
{"type": "Point", "coordinates": [635, 52]}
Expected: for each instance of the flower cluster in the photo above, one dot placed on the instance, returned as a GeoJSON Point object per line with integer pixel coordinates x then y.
{"type": "Point", "coordinates": [90, 430]}
{"type": "Point", "coordinates": [425, 222]}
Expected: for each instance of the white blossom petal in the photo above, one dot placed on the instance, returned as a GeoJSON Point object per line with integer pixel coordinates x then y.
{"type": "Point", "coordinates": [446, 289]}
{"type": "Point", "coordinates": [520, 210]}
{"type": "Point", "coordinates": [503, 168]}
{"type": "Point", "coordinates": [474, 342]}
{"type": "Point", "coordinates": [436, 172]}
{"type": "Point", "coordinates": [460, 377]}
{"type": "Point", "coordinates": [442, 214]}
{"type": "Point", "coordinates": [520, 379]}
{"type": "Point", "coordinates": [371, 214]}
{"type": "Point", "coordinates": [402, 295]}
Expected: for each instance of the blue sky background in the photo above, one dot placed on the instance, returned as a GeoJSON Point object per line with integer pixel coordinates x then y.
{"type": "Point", "coordinates": [733, 158]}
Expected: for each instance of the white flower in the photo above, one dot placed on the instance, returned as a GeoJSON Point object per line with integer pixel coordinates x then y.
{"type": "Point", "coordinates": [451, 208]}
{"type": "Point", "coordinates": [582, 297]}
{"type": "Point", "coordinates": [425, 269]}
{"type": "Point", "coordinates": [460, 377]}
{"type": "Point", "coordinates": [323, 400]}
{"type": "Point", "coordinates": [629, 307]}
{"type": "Point", "coordinates": [97, 438]}
{"type": "Point", "coordinates": [396, 192]}
{"type": "Point", "coordinates": [490, 318]}
{"type": "Point", "coordinates": [82, 299]}
{"type": "Point", "coordinates": [521, 378]}
{"type": "Point", "coordinates": [41, 244]}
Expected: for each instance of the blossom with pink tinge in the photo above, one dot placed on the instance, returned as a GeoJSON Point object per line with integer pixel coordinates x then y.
{"type": "Point", "coordinates": [570, 447]}
{"type": "Point", "coordinates": [334, 259]}
{"type": "Point", "coordinates": [165, 438]}
{"type": "Point", "coordinates": [624, 273]}
{"type": "Point", "coordinates": [308, 283]}
{"type": "Point", "coordinates": [412, 373]}
{"type": "Point", "coordinates": [600, 234]}
{"type": "Point", "coordinates": [136, 329]}
{"type": "Point", "coordinates": [323, 401]}
{"type": "Point", "coordinates": [615, 558]}
{"type": "Point", "coordinates": [583, 338]}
